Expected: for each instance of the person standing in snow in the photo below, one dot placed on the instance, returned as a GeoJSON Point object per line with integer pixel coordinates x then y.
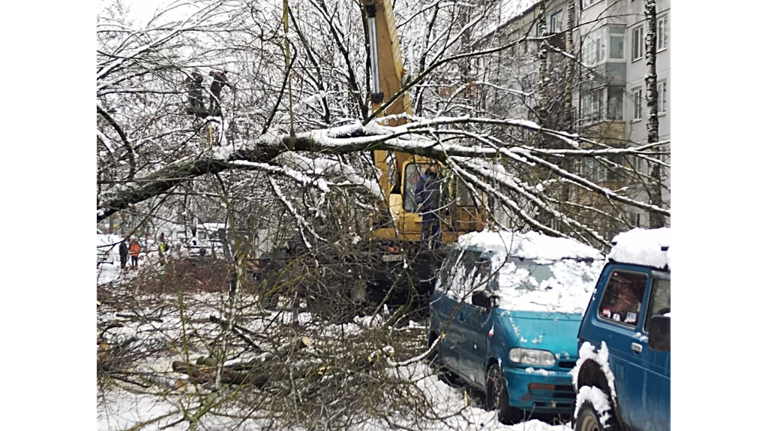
{"type": "Point", "coordinates": [162, 248]}
{"type": "Point", "coordinates": [428, 201]}
{"type": "Point", "coordinates": [123, 249]}
{"type": "Point", "coordinates": [134, 250]}
{"type": "Point", "coordinates": [219, 82]}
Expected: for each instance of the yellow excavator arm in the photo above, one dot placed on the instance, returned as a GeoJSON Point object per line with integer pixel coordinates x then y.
{"type": "Point", "coordinates": [387, 76]}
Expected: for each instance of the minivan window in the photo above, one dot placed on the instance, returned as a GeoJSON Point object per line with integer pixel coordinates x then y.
{"type": "Point", "coordinates": [447, 271]}
{"type": "Point", "coordinates": [623, 298]}
{"type": "Point", "coordinates": [660, 300]}
{"type": "Point", "coordinates": [467, 274]}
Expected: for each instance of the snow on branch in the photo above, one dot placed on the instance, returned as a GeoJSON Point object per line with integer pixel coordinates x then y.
{"type": "Point", "coordinates": [297, 176]}
{"type": "Point", "coordinates": [504, 199]}
{"type": "Point", "coordinates": [302, 222]}
{"type": "Point", "coordinates": [412, 138]}
{"type": "Point", "coordinates": [512, 183]}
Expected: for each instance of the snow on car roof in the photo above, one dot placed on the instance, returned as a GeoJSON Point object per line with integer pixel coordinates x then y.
{"type": "Point", "coordinates": [547, 281]}
{"type": "Point", "coordinates": [643, 247]}
{"type": "Point", "coordinates": [529, 245]}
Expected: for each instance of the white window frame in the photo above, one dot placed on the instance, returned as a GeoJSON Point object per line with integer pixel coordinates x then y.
{"type": "Point", "coordinates": [593, 106]}
{"type": "Point", "coordinates": [661, 97]}
{"type": "Point", "coordinates": [588, 3]}
{"type": "Point", "coordinates": [638, 43]}
{"type": "Point", "coordinates": [662, 33]}
{"type": "Point", "coordinates": [639, 165]}
{"type": "Point", "coordinates": [624, 46]}
{"type": "Point", "coordinates": [556, 22]}
{"type": "Point", "coordinates": [593, 170]}
{"type": "Point", "coordinates": [595, 47]}
{"type": "Point", "coordinates": [637, 104]}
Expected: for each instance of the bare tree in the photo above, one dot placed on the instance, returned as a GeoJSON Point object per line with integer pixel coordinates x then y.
{"type": "Point", "coordinates": [270, 335]}
{"type": "Point", "coordinates": [656, 220]}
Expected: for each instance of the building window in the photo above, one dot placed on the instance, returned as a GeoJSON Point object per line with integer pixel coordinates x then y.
{"type": "Point", "coordinates": [593, 105]}
{"type": "Point", "coordinates": [637, 104]}
{"type": "Point", "coordinates": [662, 33]}
{"type": "Point", "coordinates": [556, 22]}
{"type": "Point", "coordinates": [616, 39]}
{"type": "Point", "coordinates": [594, 47]}
{"type": "Point", "coordinates": [638, 43]}
{"type": "Point", "coordinates": [613, 172]}
{"type": "Point", "coordinates": [639, 165]}
{"type": "Point", "coordinates": [588, 3]}
{"type": "Point", "coordinates": [593, 170]}
{"type": "Point", "coordinates": [615, 103]}
{"type": "Point", "coordinates": [661, 97]}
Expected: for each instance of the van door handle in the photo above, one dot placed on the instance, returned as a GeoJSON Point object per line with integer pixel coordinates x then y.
{"type": "Point", "coordinates": [637, 348]}
{"type": "Point", "coordinates": [461, 316]}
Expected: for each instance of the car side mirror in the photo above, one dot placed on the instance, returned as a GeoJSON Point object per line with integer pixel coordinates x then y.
{"type": "Point", "coordinates": [659, 334]}
{"type": "Point", "coordinates": [482, 298]}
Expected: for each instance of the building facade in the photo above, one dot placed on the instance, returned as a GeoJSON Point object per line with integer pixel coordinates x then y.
{"type": "Point", "coordinates": [607, 93]}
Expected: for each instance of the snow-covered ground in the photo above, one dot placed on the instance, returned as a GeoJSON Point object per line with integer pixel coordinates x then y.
{"type": "Point", "coordinates": [119, 409]}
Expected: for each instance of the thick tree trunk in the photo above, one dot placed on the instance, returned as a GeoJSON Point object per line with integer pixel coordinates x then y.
{"type": "Point", "coordinates": [543, 73]}
{"type": "Point", "coordinates": [656, 219]}
{"type": "Point", "coordinates": [569, 66]}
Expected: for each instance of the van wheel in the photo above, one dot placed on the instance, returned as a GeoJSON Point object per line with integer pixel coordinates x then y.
{"type": "Point", "coordinates": [588, 419]}
{"type": "Point", "coordinates": [497, 397]}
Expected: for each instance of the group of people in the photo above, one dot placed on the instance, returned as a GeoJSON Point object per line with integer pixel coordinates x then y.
{"type": "Point", "coordinates": [195, 90]}
{"type": "Point", "coordinates": [132, 248]}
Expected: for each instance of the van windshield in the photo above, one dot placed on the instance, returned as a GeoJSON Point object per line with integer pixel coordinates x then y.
{"type": "Point", "coordinates": [537, 285]}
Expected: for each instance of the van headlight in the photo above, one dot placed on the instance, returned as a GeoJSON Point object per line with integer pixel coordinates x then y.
{"type": "Point", "coordinates": [541, 358]}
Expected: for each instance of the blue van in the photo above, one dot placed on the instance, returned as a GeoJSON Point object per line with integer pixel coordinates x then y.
{"type": "Point", "coordinates": [506, 309]}
{"type": "Point", "coordinates": [622, 377]}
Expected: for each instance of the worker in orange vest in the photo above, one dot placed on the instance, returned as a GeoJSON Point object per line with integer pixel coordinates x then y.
{"type": "Point", "coordinates": [134, 251]}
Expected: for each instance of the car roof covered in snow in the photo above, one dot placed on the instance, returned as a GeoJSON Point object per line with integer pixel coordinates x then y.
{"type": "Point", "coordinates": [530, 245]}
{"type": "Point", "coordinates": [647, 247]}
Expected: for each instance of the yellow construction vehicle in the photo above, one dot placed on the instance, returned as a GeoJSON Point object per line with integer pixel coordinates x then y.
{"type": "Point", "coordinates": [398, 227]}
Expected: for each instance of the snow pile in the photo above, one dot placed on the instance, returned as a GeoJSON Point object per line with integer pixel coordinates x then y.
{"type": "Point", "coordinates": [530, 245]}
{"type": "Point", "coordinates": [369, 321]}
{"type": "Point", "coordinates": [643, 247]}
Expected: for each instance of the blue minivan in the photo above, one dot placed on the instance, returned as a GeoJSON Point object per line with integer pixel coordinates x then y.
{"type": "Point", "coordinates": [506, 309]}
{"type": "Point", "coordinates": [622, 377]}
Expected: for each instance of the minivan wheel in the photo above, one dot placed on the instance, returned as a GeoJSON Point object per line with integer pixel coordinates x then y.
{"type": "Point", "coordinates": [497, 397]}
{"type": "Point", "coordinates": [588, 419]}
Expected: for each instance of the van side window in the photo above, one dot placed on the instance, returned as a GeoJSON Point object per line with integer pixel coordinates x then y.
{"type": "Point", "coordinates": [447, 271]}
{"type": "Point", "coordinates": [483, 273]}
{"type": "Point", "coordinates": [660, 300]}
{"type": "Point", "coordinates": [623, 298]}
{"type": "Point", "coordinates": [463, 279]}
